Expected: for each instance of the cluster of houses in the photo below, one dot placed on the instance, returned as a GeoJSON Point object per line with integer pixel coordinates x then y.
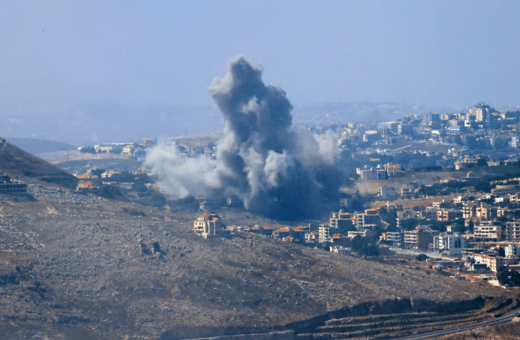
{"type": "Point", "coordinates": [90, 180]}
{"type": "Point", "coordinates": [132, 150]}
{"type": "Point", "coordinates": [340, 230]}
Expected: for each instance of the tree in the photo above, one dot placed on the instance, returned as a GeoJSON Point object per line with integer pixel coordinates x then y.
{"type": "Point", "coordinates": [508, 277]}
{"type": "Point", "coordinates": [421, 257]}
{"type": "Point", "coordinates": [88, 149]}
{"type": "Point", "coordinates": [364, 247]}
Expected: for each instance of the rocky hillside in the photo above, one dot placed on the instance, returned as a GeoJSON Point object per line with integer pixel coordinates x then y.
{"type": "Point", "coordinates": [84, 267]}
{"type": "Point", "coordinates": [16, 162]}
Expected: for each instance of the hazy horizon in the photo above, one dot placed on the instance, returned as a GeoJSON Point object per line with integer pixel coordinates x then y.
{"type": "Point", "coordinates": [57, 55]}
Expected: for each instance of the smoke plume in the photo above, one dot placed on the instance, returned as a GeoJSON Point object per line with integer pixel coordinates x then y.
{"type": "Point", "coordinates": [277, 171]}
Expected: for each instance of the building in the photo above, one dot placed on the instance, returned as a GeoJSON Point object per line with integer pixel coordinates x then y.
{"type": "Point", "coordinates": [512, 232]}
{"type": "Point", "coordinates": [341, 220]}
{"type": "Point", "coordinates": [128, 149]}
{"type": "Point", "coordinates": [454, 243]}
{"type": "Point", "coordinates": [369, 219]}
{"type": "Point", "coordinates": [396, 237]}
{"type": "Point", "coordinates": [362, 233]}
{"type": "Point", "coordinates": [387, 191]}
{"type": "Point", "coordinates": [512, 250]}
{"type": "Point", "coordinates": [371, 174]}
{"type": "Point", "coordinates": [486, 211]}
{"type": "Point", "coordinates": [85, 185]}
{"type": "Point", "coordinates": [492, 262]}
{"type": "Point", "coordinates": [469, 210]}
{"type": "Point", "coordinates": [448, 214]}
{"type": "Point", "coordinates": [8, 186]}
{"type": "Point", "coordinates": [488, 231]}
{"type": "Point", "coordinates": [481, 112]}
{"type": "Point", "coordinates": [419, 238]}
{"type": "Point", "coordinates": [208, 224]}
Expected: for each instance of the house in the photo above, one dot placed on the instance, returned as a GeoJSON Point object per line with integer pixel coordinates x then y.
{"type": "Point", "coordinates": [208, 224]}
{"type": "Point", "coordinates": [312, 237]}
{"type": "Point", "coordinates": [128, 149]}
{"type": "Point", "coordinates": [86, 176]}
{"type": "Point", "coordinates": [282, 232]}
{"type": "Point", "coordinates": [85, 185]}
{"type": "Point", "coordinates": [109, 173]}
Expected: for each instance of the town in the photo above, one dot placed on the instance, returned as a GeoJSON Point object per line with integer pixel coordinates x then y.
{"type": "Point", "coordinates": [441, 187]}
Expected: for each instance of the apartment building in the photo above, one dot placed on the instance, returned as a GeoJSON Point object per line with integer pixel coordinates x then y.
{"type": "Point", "coordinates": [512, 232]}
{"type": "Point", "coordinates": [419, 238]}
{"type": "Point", "coordinates": [492, 262]}
{"type": "Point", "coordinates": [454, 243]}
{"type": "Point", "coordinates": [488, 231]}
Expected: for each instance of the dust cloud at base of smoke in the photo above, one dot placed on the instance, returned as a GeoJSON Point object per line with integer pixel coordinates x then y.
{"type": "Point", "coordinates": [277, 171]}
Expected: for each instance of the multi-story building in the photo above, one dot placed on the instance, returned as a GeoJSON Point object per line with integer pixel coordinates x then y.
{"type": "Point", "coordinates": [481, 112]}
{"type": "Point", "coordinates": [341, 220]}
{"type": "Point", "coordinates": [492, 262]}
{"type": "Point", "coordinates": [420, 238]}
{"type": "Point", "coordinates": [486, 211]}
{"type": "Point", "coordinates": [454, 243]}
{"type": "Point", "coordinates": [392, 236]}
{"type": "Point", "coordinates": [487, 230]}
{"type": "Point", "coordinates": [512, 250]}
{"type": "Point", "coordinates": [369, 219]}
{"type": "Point", "coordinates": [448, 214]}
{"type": "Point", "coordinates": [324, 233]}
{"type": "Point", "coordinates": [512, 232]}
{"type": "Point", "coordinates": [208, 224]}
{"type": "Point", "coordinates": [362, 233]}
{"type": "Point", "coordinates": [469, 210]}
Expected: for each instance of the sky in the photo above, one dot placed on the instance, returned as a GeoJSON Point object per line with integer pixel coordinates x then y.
{"type": "Point", "coordinates": [58, 54]}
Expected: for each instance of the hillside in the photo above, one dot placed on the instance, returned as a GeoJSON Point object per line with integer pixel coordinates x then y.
{"type": "Point", "coordinates": [37, 146]}
{"type": "Point", "coordinates": [16, 162]}
{"type": "Point", "coordinates": [83, 267]}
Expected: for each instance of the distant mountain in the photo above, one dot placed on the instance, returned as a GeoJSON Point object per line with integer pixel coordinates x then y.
{"type": "Point", "coordinates": [37, 146]}
{"type": "Point", "coordinates": [101, 122]}
{"type": "Point", "coordinates": [16, 162]}
{"type": "Point", "coordinates": [359, 112]}
{"type": "Point", "coordinates": [95, 123]}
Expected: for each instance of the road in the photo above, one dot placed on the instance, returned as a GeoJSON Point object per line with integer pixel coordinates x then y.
{"type": "Point", "coordinates": [503, 319]}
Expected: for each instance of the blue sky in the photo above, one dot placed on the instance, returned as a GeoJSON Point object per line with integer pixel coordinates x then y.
{"type": "Point", "coordinates": [57, 54]}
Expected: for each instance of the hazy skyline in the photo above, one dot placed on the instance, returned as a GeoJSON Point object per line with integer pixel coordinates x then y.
{"type": "Point", "coordinates": [58, 54]}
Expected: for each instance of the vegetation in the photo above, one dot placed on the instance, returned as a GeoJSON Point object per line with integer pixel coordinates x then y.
{"type": "Point", "coordinates": [88, 149]}
{"type": "Point", "coordinates": [509, 277]}
{"type": "Point", "coordinates": [365, 246]}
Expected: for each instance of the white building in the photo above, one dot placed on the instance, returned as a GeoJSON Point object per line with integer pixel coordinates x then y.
{"type": "Point", "coordinates": [454, 243]}
{"type": "Point", "coordinates": [512, 250]}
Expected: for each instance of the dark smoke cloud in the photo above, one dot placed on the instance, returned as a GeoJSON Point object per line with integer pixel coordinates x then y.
{"type": "Point", "coordinates": [275, 170]}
